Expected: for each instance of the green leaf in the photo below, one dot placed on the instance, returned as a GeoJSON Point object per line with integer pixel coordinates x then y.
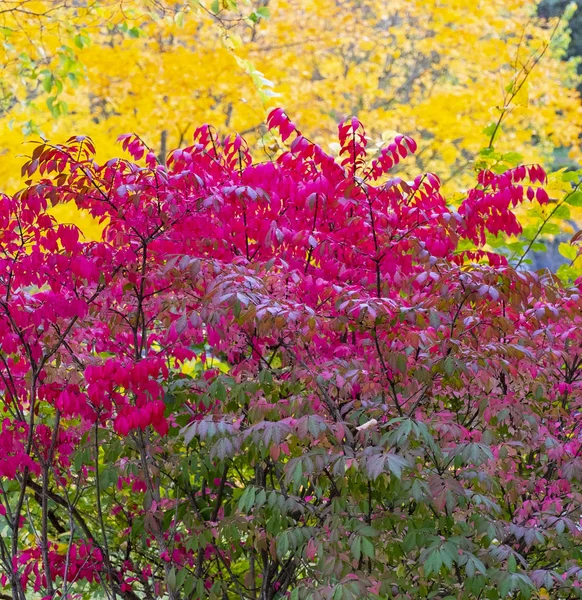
{"type": "Point", "coordinates": [433, 563]}
{"type": "Point", "coordinates": [505, 587]}
{"type": "Point", "coordinates": [525, 584]}
{"type": "Point", "coordinates": [568, 251]}
{"type": "Point", "coordinates": [107, 477]}
{"type": "Point", "coordinates": [562, 212]}
{"type": "Point", "coordinates": [356, 546]}
{"type": "Point", "coordinates": [189, 585]}
{"type": "Point", "coordinates": [200, 589]}
{"type": "Point", "coordinates": [242, 501]}
{"type": "Point", "coordinates": [179, 18]}
{"type": "Point", "coordinates": [82, 40]}
{"type": "Point", "coordinates": [57, 107]}
{"type": "Point", "coordinates": [409, 541]}
{"type": "Point", "coordinates": [401, 363]}
{"type": "Point", "coordinates": [551, 228]}
{"type": "Point", "coordinates": [396, 464]}
{"type": "Point", "coordinates": [261, 499]}
{"type": "Point", "coordinates": [297, 474]}
{"type": "Point", "coordinates": [401, 434]}
{"type": "Point", "coordinates": [479, 565]}
{"type": "Point", "coordinates": [180, 578]}
{"type": "Point", "coordinates": [222, 449]}
{"type": "Point", "coordinates": [338, 593]}
{"type": "Point", "coordinates": [172, 578]}
{"type": "Point", "coordinates": [283, 544]}
{"type": "Point", "coordinates": [367, 547]}
{"type": "Point", "coordinates": [47, 83]}
{"type": "Point", "coordinates": [513, 158]}
{"type": "Point", "coordinates": [220, 391]}
{"type": "Point", "coordinates": [574, 199]}
{"type": "Point", "coordinates": [52, 105]}
{"type": "Point", "coordinates": [571, 176]}
{"type": "Point", "coordinates": [490, 129]}
{"type": "Point", "coordinates": [368, 531]}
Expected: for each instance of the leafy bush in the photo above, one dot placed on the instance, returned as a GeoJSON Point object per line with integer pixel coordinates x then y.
{"type": "Point", "coordinates": [297, 378]}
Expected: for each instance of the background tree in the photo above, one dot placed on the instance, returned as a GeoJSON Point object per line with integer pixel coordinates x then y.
{"type": "Point", "coordinates": [440, 71]}
{"type": "Point", "coordinates": [554, 8]}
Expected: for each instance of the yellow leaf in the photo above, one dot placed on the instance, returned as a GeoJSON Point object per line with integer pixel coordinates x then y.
{"type": "Point", "coordinates": [521, 98]}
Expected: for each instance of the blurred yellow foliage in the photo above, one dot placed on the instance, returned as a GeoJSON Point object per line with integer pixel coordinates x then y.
{"type": "Point", "coordinates": [434, 69]}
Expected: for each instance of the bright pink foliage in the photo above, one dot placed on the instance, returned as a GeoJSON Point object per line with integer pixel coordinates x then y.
{"type": "Point", "coordinates": [394, 352]}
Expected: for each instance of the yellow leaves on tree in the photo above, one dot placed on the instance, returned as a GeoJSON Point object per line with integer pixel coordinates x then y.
{"type": "Point", "coordinates": [435, 69]}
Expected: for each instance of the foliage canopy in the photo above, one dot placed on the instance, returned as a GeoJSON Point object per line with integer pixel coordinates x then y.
{"type": "Point", "coordinates": [303, 378]}
{"type": "Point", "coordinates": [439, 69]}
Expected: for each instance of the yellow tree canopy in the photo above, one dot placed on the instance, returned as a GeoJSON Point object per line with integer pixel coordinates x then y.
{"type": "Point", "coordinates": [439, 70]}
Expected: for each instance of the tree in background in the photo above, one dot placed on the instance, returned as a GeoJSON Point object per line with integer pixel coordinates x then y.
{"type": "Point", "coordinates": [440, 70]}
{"type": "Point", "coordinates": [555, 8]}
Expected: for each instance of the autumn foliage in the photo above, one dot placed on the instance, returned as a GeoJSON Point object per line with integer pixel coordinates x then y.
{"type": "Point", "coordinates": [443, 71]}
{"type": "Point", "coordinates": [298, 378]}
